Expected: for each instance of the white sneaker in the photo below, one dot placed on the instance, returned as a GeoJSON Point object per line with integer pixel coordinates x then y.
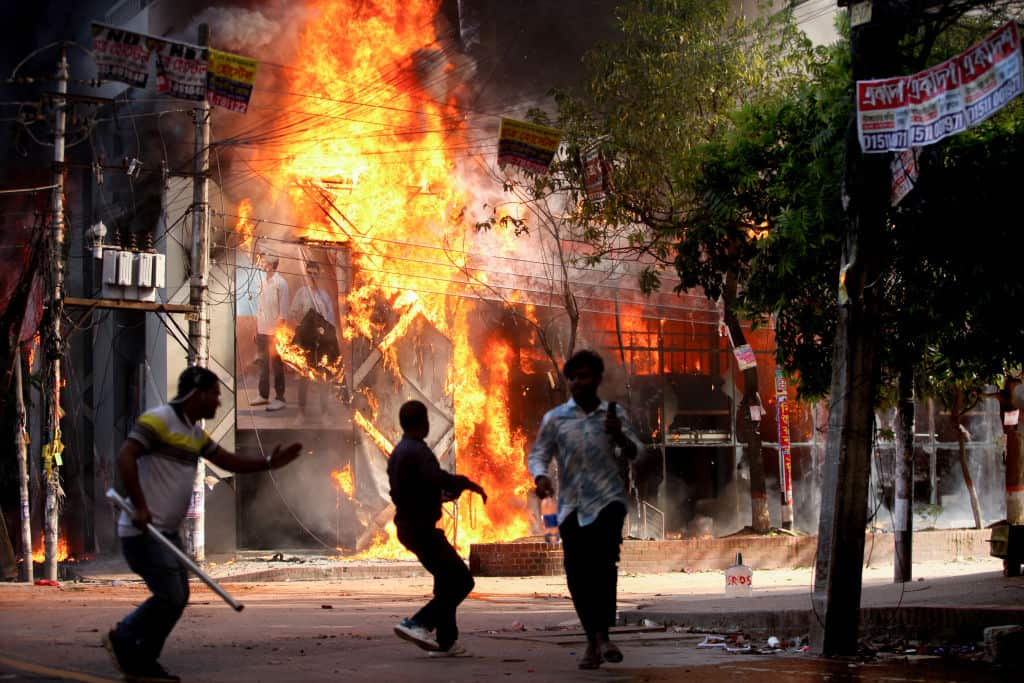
{"type": "Point", "coordinates": [276, 404]}
{"type": "Point", "coordinates": [407, 629]}
{"type": "Point", "coordinates": [456, 650]}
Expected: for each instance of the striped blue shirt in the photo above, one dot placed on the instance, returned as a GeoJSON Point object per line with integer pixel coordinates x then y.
{"type": "Point", "coordinates": [589, 465]}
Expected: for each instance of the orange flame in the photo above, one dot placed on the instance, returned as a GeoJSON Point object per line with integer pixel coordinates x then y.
{"type": "Point", "coordinates": [343, 478]}
{"type": "Point", "coordinates": [384, 177]}
{"type": "Point", "coordinates": [244, 226]}
{"type": "Point", "coordinates": [382, 441]}
{"type": "Point", "coordinates": [296, 357]}
{"type": "Point", "coordinates": [39, 555]}
{"type": "Point", "coordinates": [386, 546]}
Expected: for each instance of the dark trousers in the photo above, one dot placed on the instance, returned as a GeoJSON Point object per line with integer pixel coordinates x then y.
{"type": "Point", "coordinates": [452, 580]}
{"type": "Point", "coordinates": [591, 555]}
{"type": "Point", "coordinates": [267, 357]}
{"type": "Point", "coordinates": [146, 629]}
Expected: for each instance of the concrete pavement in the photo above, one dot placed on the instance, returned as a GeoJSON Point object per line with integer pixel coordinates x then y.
{"type": "Point", "coordinates": [948, 600]}
{"type": "Point", "coordinates": [516, 628]}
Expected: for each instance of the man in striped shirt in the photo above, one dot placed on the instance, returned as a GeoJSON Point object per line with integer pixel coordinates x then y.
{"type": "Point", "coordinates": [158, 464]}
{"type": "Point", "coordinates": [583, 435]}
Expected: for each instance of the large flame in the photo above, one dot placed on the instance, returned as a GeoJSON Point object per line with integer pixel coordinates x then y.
{"type": "Point", "coordinates": [39, 555]}
{"type": "Point", "coordinates": [377, 173]}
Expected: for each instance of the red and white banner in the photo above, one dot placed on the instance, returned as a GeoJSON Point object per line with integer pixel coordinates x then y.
{"type": "Point", "coordinates": [898, 113]}
{"type": "Point", "coordinates": [785, 453]}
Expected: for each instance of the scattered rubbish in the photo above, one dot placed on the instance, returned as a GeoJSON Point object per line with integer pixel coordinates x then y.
{"type": "Point", "coordinates": [518, 626]}
{"type": "Point", "coordinates": [739, 650]}
{"type": "Point", "coordinates": [713, 641]}
{"type": "Point", "coordinates": [47, 582]}
{"type": "Point", "coordinates": [326, 606]}
{"type": "Point", "coordinates": [650, 623]}
{"type": "Point", "coordinates": [117, 583]}
{"type": "Point", "coordinates": [773, 642]}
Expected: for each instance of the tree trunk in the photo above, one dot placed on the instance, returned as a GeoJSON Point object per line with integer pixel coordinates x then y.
{"type": "Point", "coordinates": [903, 515]}
{"type": "Point", "coordinates": [760, 520]}
{"type": "Point", "coordinates": [961, 440]}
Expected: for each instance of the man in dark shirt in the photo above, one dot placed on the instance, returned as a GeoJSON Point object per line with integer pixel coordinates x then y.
{"type": "Point", "coordinates": [418, 487]}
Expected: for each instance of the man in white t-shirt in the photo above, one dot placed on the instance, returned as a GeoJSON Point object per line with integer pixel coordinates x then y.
{"type": "Point", "coordinates": [271, 310]}
{"type": "Point", "coordinates": [158, 464]}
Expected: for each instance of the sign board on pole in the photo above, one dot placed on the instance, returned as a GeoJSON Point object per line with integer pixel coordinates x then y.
{"type": "Point", "coordinates": [860, 13]}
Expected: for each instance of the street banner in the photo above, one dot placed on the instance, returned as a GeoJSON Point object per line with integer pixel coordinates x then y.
{"type": "Point", "coordinates": [785, 452]}
{"type": "Point", "coordinates": [181, 70]}
{"type": "Point", "coordinates": [991, 72]}
{"type": "Point", "coordinates": [882, 114]}
{"type": "Point", "coordinates": [904, 174]}
{"type": "Point", "coordinates": [121, 55]}
{"type": "Point", "coordinates": [527, 145]}
{"type": "Point", "coordinates": [895, 114]}
{"type": "Point", "coordinates": [745, 357]}
{"type": "Point", "coordinates": [594, 174]}
{"type": "Point", "coordinates": [230, 80]}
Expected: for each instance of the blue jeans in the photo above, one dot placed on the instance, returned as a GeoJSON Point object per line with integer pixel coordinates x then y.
{"type": "Point", "coordinates": [146, 629]}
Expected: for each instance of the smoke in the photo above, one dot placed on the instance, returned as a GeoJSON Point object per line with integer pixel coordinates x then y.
{"type": "Point", "coordinates": [239, 29]}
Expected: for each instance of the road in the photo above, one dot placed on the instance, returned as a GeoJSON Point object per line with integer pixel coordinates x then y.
{"type": "Point", "coordinates": [516, 629]}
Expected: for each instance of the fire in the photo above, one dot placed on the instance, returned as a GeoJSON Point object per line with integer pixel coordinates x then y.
{"type": "Point", "coordinates": [386, 546]}
{"type": "Point", "coordinates": [381, 178]}
{"type": "Point", "coordinates": [244, 226]}
{"type": "Point", "coordinates": [343, 478]}
{"type": "Point", "coordinates": [39, 555]}
{"type": "Point", "coordinates": [296, 357]}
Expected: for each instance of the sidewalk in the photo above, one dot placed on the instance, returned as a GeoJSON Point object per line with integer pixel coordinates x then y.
{"type": "Point", "coordinates": [952, 600]}
{"type": "Point", "coordinates": [946, 601]}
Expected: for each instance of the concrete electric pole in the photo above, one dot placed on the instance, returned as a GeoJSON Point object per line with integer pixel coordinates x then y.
{"type": "Point", "coordinates": [199, 321]}
{"type": "Point", "coordinates": [53, 339]}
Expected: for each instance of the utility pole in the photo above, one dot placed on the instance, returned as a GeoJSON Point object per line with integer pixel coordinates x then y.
{"type": "Point", "coordinates": [27, 570]}
{"type": "Point", "coordinates": [855, 362]}
{"type": "Point", "coordinates": [903, 509]}
{"type": "Point", "coordinates": [54, 342]}
{"type": "Point", "coordinates": [199, 321]}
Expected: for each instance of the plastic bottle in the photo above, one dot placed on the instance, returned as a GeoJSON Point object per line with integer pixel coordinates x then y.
{"type": "Point", "coordinates": [739, 579]}
{"type": "Point", "coordinates": [549, 513]}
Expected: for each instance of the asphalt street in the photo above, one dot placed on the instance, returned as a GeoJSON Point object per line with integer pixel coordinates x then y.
{"type": "Point", "coordinates": [517, 629]}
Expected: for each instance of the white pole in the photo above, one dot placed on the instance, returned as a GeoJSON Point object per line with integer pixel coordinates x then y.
{"type": "Point", "coordinates": [199, 320]}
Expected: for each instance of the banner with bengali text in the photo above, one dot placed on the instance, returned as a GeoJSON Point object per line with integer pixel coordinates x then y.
{"type": "Point", "coordinates": [121, 56]}
{"type": "Point", "coordinates": [785, 443]}
{"type": "Point", "coordinates": [181, 70]}
{"type": "Point", "coordinates": [895, 114]}
{"type": "Point", "coordinates": [527, 145]}
{"type": "Point", "coordinates": [230, 80]}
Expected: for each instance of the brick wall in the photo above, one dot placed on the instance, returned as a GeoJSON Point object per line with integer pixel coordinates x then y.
{"type": "Point", "coordinates": [760, 552]}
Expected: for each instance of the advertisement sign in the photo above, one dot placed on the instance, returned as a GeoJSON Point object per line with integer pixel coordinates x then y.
{"type": "Point", "coordinates": [785, 452]}
{"type": "Point", "coordinates": [121, 55]}
{"type": "Point", "coordinates": [230, 80]}
{"type": "Point", "coordinates": [895, 114]}
{"type": "Point", "coordinates": [527, 145]}
{"type": "Point", "coordinates": [745, 357]}
{"type": "Point", "coordinates": [594, 174]}
{"type": "Point", "coordinates": [181, 70]}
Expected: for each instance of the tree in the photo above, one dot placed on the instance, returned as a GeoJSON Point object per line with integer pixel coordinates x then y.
{"type": "Point", "coordinates": [781, 166]}
{"type": "Point", "coordinates": [654, 97]}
